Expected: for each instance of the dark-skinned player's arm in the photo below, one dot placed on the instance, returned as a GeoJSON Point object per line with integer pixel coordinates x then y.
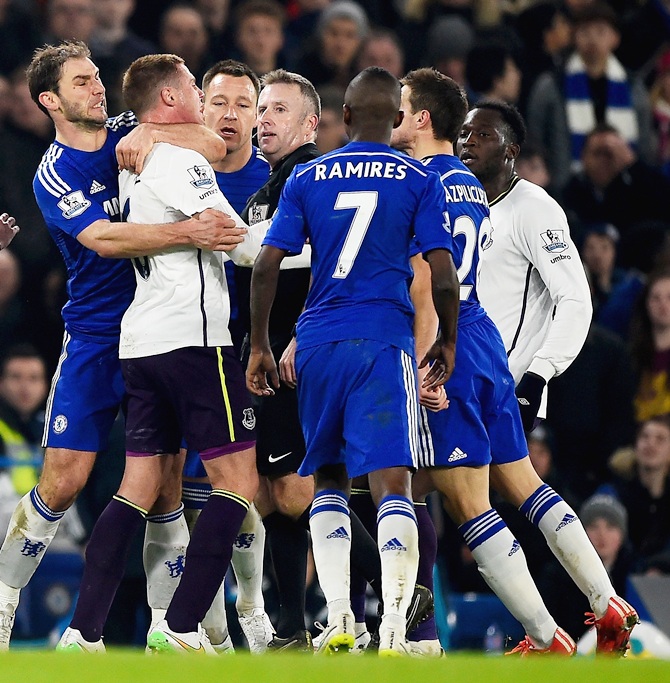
{"type": "Point", "coordinates": [445, 296]}
{"type": "Point", "coordinates": [263, 290]}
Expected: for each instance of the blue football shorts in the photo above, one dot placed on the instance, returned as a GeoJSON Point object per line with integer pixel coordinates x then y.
{"type": "Point", "coordinates": [86, 393]}
{"type": "Point", "coordinates": [358, 406]}
{"type": "Point", "coordinates": [482, 423]}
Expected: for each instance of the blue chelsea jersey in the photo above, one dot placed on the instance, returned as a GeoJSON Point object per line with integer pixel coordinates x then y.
{"type": "Point", "coordinates": [360, 207]}
{"type": "Point", "coordinates": [469, 218]}
{"type": "Point", "coordinates": [73, 190]}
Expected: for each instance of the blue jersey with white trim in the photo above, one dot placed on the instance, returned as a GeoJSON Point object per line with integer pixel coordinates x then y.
{"type": "Point", "coordinates": [360, 207]}
{"type": "Point", "coordinates": [469, 218]}
{"type": "Point", "coordinates": [73, 190]}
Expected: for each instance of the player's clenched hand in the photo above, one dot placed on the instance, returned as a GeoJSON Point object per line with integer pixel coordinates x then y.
{"type": "Point", "coordinates": [8, 229]}
{"type": "Point", "coordinates": [432, 399]}
{"type": "Point", "coordinates": [287, 365]}
{"type": "Point", "coordinates": [261, 364]}
{"type": "Point", "coordinates": [133, 149]}
{"type": "Point", "coordinates": [440, 359]}
{"type": "Point", "coordinates": [215, 230]}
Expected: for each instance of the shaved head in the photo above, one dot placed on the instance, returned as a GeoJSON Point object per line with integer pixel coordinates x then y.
{"type": "Point", "coordinates": [372, 105]}
{"type": "Point", "coordinates": [374, 94]}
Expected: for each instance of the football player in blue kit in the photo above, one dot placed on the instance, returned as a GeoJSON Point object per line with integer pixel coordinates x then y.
{"type": "Point", "coordinates": [76, 186]}
{"type": "Point", "coordinates": [359, 207]}
{"type": "Point", "coordinates": [482, 421]}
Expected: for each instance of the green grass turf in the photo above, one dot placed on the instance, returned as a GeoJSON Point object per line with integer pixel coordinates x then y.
{"type": "Point", "coordinates": [121, 666]}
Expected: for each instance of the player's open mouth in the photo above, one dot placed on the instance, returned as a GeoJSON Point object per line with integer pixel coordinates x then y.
{"type": "Point", "coordinates": [228, 131]}
{"type": "Point", "coordinates": [467, 157]}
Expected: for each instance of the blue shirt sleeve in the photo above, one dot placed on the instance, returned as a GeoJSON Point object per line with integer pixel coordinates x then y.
{"type": "Point", "coordinates": [431, 224]}
{"type": "Point", "coordinates": [289, 229]}
{"type": "Point", "coordinates": [66, 202]}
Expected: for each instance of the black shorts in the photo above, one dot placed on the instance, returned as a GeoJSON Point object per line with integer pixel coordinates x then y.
{"type": "Point", "coordinates": [280, 446]}
{"type": "Point", "coordinates": [195, 393]}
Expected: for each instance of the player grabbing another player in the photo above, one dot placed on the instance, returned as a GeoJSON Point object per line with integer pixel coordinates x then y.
{"type": "Point", "coordinates": [76, 187]}
{"type": "Point", "coordinates": [360, 207]}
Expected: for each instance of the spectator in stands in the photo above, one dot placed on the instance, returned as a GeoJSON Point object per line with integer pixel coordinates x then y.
{"type": "Point", "coordinates": [642, 484]}
{"type": "Point", "coordinates": [216, 14]}
{"type": "Point", "coordinates": [615, 290]}
{"type": "Point", "coordinates": [594, 88]}
{"type": "Point", "coordinates": [69, 20]}
{"type": "Point", "coordinates": [660, 102]}
{"type": "Point", "coordinates": [259, 34]}
{"type": "Point", "coordinates": [531, 165]}
{"type": "Point", "coordinates": [616, 186]}
{"type": "Point", "coordinates": [24, 140]}
{"type": "Point", "coordinates": [114, 47]}
{"type": "Point", "coordinates": [546, 34]}
{"type": "Point", "coordinates": [341, 29]}
{"type": "Point", "coordinates": [606, 523]}
{"type": "Point", "coordinates": [300, 26]}
{"type": "Point", "coordinates": [650, 347]}
{"type": "Point", "coordinates": [447, 45]}
{"type": "Point", "coordinates": [590, 411]}
{"type": "Point", "coordinates": [331, 132]}
{"type": "Point", "coordinates": [12, 311]}
{"type": "Point", "coordinates": [491, 73]}
{"type": "Point", "coordinates": [19, 35]}
{"type": "Point", "coordinates": [382, 48]}
{"type": "Point", "coordinates": [23, 390]}
{"type": "Point", "coordinates": [183, 33]}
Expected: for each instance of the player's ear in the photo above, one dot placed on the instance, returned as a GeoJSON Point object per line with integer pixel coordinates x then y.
{"type": "Point", "coordinates": [398, 118]}
{"type": "Point", "coordinates": [346, 114]}
{"type": "Point", "coordinates": [49, 100]}
{"type": "Point", "coordinates": [168, 96]}
{"type": "Point", "coordinates": [512, 151]}
{"type": "Point", "coordinates": [424, 119]}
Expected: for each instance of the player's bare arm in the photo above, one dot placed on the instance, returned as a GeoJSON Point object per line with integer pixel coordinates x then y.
{"type": "Point", "coordinates": [445, 293]}
{"type": "Point", "coordinates": [133, 149]}
{"type": "Point", "coordinates": [425, 330]}
{"type": "Point", "coordinates": [263, 289]}
{"type": "Point", "coordinates": [8, 229]}
{"type": "Point", "coordinates": [211, 229]}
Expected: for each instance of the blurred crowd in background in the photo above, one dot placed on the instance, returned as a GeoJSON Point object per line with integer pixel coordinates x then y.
{"type": "Point", "coordinates": [605, 156]}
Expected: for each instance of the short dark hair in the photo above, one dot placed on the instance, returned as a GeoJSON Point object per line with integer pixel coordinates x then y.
{"type": "Point", "coordinates": [598, 129]}
{"type": "Point", "coordinates": [307, 90]}
{"type": "Point", "coordinates": [22, 350]}
{"type": "Point", "coordinates": [145, 77]}
{"type": "Point", "coordinates": [266, 8]}
{"type": "Point", "coordinates": [511, 117]}
{"type": "Point", "coordinates": [597, 11]}
{"type": "Point", "coordinates": [231, 67]}
{"type": "Point", "coordinates": [486, 62]}
{"type": "Point", "coordinates": [442, 97]}
{"type": "Point", "coordinates": [46, 67]}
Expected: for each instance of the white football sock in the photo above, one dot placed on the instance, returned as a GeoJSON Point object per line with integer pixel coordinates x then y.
{"type": "Point", "coordinates": [570, 544]}
{"type": "Point", "coordinates": [165, 541]}
{"type": "Point", "coordinates": [31, 529]}
{"type": "Point", "coordinates": [398, 543]}
{"type": "Point", "coordinates": [502, 563]}
{"type": "Point", "coordinates": [247, 562]}
{"type": "Point", "coordinates": [330, 527]}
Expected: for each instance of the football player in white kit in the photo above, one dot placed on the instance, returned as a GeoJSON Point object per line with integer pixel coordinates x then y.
{"type": "Point", "coordinates": [533, 285]}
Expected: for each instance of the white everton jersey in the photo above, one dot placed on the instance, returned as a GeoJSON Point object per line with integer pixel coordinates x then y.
{"type": "Point", "coordinates": [181, 298]}
{"type": "Point", "coordinates": [532, 282]}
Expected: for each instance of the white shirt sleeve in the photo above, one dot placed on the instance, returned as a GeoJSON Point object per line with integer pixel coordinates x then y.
{"type": "Point", "coordinates": [543, 236]}
{"type": "Point", "coordinates": [190, 187]}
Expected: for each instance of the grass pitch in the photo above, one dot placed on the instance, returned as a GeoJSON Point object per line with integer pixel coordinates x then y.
{"type": "Point", "coordinates": [121, 666]}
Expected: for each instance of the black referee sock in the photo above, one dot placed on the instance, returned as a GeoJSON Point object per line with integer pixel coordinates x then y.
{"type": "Point", "coordinates": [288, 541]}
